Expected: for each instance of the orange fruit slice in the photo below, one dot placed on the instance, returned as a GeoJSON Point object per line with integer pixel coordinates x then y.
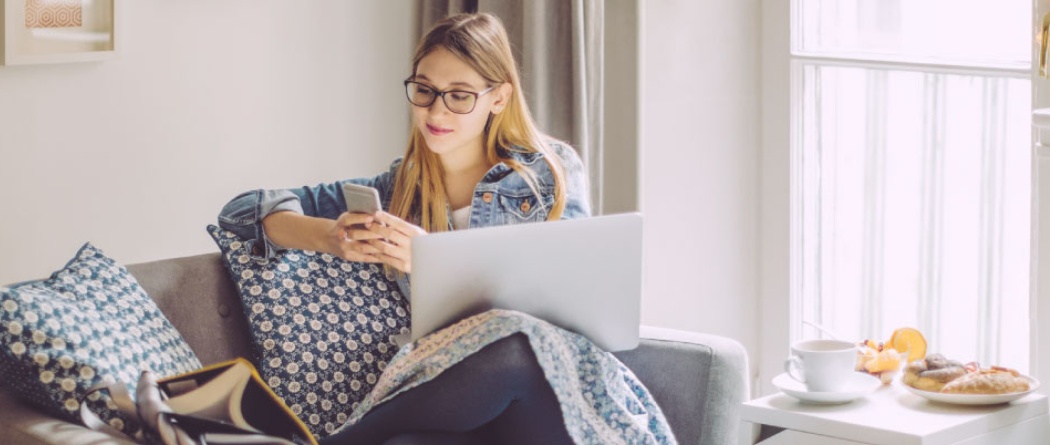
{"type": "Point", "coordinates": [863, 358]}
{"type": "Point", "coordinates": [910, 341]}
{"type": "Point", "coordinates": [885, 360]}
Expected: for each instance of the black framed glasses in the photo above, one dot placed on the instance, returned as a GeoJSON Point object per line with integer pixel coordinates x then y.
{"type": "Point", "coordinates": [457, 101]}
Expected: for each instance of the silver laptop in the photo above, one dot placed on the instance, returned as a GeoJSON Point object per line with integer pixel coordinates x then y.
{"type": "Point", "coordinates": [584, 275]}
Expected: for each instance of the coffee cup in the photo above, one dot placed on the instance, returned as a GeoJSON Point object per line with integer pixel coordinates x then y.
{"type": "Point", "coordinates": [822, 365]}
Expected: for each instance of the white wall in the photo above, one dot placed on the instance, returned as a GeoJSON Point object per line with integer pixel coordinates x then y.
{"type": "Point", "coordinates": [206, 99]}
{"type": "Point", "coordinates": [700, 158]}
{"type": "Point", "coordinates": [773, 327]}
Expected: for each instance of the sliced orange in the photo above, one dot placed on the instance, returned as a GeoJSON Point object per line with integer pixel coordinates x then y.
{"type": "Point", "coordinates": [910, 341]}
{"type": "Point", "coordinates": [885, 360]}
{"type": "Point", "coordinates": [863, 357]}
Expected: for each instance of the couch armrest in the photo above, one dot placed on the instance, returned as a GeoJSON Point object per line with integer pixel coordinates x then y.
{"type": "Point", "coordinates": [20, 424]}
{"type": "Point", "coordinates": [699, 381]}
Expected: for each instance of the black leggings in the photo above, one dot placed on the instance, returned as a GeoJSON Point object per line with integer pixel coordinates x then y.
{"type": "Point", "coordinates": [496, 395]}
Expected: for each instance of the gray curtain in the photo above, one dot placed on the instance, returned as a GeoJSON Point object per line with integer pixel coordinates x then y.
{"type": "Point", "coordinates": [559, 48]}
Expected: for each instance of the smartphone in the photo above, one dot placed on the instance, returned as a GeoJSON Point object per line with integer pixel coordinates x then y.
{"type": "Point", "coordinates": [361, 198]}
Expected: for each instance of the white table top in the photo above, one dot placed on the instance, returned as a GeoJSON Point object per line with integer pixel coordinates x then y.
{"type": "Point", "coordinates": [891, 415]}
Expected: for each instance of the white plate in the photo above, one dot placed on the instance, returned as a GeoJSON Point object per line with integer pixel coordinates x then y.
{"type": "Point", "coordinates": [859, 385]}
{"type": "Point", "coordinates": [974, 399]}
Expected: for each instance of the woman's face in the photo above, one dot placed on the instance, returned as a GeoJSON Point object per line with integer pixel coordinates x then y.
{"type": "Point", "coordinates": [445, 132]}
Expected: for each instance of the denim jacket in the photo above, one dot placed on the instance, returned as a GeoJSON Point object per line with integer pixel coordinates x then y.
{"type": "Point", "coordinates": [501, 197]}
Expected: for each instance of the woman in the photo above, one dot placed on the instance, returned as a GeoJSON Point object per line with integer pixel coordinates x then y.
{"type": "Point", "coordinates": [474, 159]}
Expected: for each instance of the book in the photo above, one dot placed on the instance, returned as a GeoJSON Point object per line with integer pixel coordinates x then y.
{"type": "Point", "coordinates": [233, 393]}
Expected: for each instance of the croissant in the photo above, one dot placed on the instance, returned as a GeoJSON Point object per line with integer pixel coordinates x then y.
{"type": "Point", "coordinates": [988, 381]}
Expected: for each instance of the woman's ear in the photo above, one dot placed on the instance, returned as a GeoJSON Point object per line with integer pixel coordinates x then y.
{"type": "Point", "coordinates": [503, 93]}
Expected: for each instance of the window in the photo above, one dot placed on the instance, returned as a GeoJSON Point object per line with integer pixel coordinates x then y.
{"type": "Point", "coordinates": [913, 173]}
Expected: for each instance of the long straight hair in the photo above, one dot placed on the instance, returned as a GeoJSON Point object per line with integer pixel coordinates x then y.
{"type": "Point", "coordinates": [481, 41]}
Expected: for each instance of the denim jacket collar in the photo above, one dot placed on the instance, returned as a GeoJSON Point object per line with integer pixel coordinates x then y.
{"type": "Point", "coordinates": [500, 169]}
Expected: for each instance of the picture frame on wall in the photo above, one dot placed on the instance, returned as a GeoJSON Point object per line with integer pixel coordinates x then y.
{"type": "Point", "coordinates": [57, 31]}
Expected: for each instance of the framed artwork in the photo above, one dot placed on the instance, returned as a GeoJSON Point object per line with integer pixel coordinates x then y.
{"type": "Point", "coordinates": [57, 31]}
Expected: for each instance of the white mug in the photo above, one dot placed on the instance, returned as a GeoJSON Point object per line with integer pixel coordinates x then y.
{"type": "Point", "coordinates": [822, 365]}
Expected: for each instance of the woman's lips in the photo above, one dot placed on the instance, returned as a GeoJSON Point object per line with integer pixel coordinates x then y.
{"type": "Point", "coordinates": [438, 131]}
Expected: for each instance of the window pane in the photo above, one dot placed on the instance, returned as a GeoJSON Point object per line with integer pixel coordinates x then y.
{"type": "Point", "coordinates": [916, 208]}
{"type": "Point", "coordinates": [953, 31]}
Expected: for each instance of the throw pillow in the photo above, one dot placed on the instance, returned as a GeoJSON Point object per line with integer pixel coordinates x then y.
{"type": "Point", "coordinates": [323, 328]}
{"type": "Point", "coordinates": [90, 322]}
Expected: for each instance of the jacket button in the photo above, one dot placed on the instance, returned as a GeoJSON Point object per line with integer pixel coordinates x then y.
{"type": "Point", "coordinates": [525, 206]}
{"type": "Point", "coordinates": [224, 310]}
{"type": "Point", "coordinates": [487, 197]}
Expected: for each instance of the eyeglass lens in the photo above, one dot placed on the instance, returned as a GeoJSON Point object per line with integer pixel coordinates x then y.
{"type": "Point", "coordinates": [460, 102]}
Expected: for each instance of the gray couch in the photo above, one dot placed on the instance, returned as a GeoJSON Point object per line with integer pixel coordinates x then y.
{"type": "Point", "coordinates": [699, 380]}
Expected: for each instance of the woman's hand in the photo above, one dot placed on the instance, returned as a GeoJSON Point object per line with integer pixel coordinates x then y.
{"type": "Point", "coordinates": [350, 238]}
{"type": "Point", "coordinates": [392, 240]}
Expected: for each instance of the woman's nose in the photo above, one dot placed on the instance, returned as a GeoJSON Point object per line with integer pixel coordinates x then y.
{"type": "Point", "coordinates": [438, 106]}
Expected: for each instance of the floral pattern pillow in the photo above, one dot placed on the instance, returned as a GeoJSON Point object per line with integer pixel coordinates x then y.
{"type": "Point", "coordinates": [323, 328]}
{"type": "Point", "coordinates": [90, 322]}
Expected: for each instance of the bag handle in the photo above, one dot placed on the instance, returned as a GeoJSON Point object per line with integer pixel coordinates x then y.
{"type": "Point", "coordinates": [160, 424]}
{"type": "Point", "coordinates": [118, 392]}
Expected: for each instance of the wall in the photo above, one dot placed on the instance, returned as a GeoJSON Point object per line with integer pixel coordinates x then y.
{"type": "Point", "coordinates": [776, 220]}
{"type": "Point", "coordinates": [700, 163]}
{"type": "Point", "coordinates": [206, 99]}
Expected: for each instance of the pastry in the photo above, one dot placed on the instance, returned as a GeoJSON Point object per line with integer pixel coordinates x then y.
{"type": "Point", "coordinates": [932, 373]}
{"type": "Point", "coordinates": [988, 381]}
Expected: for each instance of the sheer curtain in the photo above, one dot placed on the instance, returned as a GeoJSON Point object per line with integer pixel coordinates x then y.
{"type": "Point", "coordinates": [559, 48]}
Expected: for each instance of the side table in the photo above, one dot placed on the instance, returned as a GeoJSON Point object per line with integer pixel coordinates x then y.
{"type": "Point", "coordinates": [893, 416]}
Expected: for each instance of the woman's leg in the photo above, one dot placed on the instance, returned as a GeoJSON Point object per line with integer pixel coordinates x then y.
{"type": "Point", "coordinates": [499, 391]}
{"type": "Point", "coordinates": [438, 439]}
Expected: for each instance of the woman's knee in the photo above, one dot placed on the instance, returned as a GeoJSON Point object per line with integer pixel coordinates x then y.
{"type": "Point", "coordinates": [508, 360]}
{"type": "Point", "coordinates": [514, 350]}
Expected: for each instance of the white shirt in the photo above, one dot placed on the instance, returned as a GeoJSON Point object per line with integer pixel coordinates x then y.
{"type": "Point", "coordinates": [461, 218]}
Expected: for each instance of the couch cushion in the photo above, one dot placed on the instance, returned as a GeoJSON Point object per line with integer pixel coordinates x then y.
{"type": "Point", "coordinates": [89, 323]}
{"type": "Point", "coordinates": [323, 328]}
{"type": "Point", "coordinates": [200, 300]}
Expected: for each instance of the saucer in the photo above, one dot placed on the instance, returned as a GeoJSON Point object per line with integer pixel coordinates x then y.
{"type": "Point", "coordinates": [859, 384]}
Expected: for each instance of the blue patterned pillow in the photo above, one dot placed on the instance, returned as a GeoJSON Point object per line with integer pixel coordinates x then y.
{"type": "Point", "coordinates": [89, 323]}
{"type": "Point", "coordinates": [323, 328]}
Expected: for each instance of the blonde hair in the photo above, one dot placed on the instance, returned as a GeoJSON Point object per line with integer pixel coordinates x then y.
{"type": "Point", "coordinates": [481, 41]}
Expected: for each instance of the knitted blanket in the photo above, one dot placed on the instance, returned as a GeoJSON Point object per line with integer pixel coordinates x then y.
{"type": "Point", "coordinates": [601, 400]}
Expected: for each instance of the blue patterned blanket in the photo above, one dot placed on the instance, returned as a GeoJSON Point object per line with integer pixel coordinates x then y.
{"type": "Point", "coordinates": [601, 399]}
